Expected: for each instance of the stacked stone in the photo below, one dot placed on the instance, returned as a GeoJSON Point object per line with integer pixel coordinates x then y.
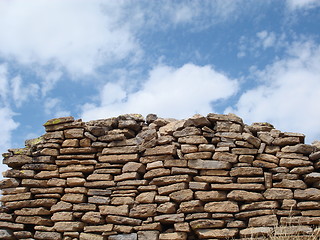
{"type": "Point", "coordinates": [129, 178]}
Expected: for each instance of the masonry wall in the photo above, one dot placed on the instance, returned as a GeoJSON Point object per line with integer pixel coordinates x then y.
{"type": "Point", "coordinates": [129, 178]}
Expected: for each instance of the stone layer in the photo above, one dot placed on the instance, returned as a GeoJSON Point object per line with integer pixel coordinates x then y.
{"type": "Point", "coordinates": [130, 178]}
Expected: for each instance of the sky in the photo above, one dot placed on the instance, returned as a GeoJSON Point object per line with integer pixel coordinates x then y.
{"type": "Point", "coordinates": [92, 59]}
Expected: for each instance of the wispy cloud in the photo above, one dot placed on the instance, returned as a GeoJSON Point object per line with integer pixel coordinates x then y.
{"type": "Point", "coordinates": [302, 4]}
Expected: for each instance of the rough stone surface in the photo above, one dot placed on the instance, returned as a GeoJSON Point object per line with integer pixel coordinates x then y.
{"type": "Point", "coordinates": [127, 178]}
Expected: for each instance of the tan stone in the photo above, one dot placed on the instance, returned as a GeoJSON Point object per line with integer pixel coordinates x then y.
{"type": "Point", "coordinates": [173, 236]}
{"type": "Point", "coordinates": [207, 196]}
{"type": "Point", "coordinates": [90, 236]}
{"type": "Point", "coordinates": [191, 206]}
{"type": "Point", "coordinates": [224, 156]}
{"type": "Point", "coordinates": [123, 158]}
{"type": "Point", "coordinates": [15, 190]}
{"type": "Point", "coordinates": [75, 181]}
{"type": "Point", "coordinates": [11, 226]}
{"type": "Point", "coordinates": [244, 151]}
{"type": "Point", "coordinates": [77, 168]}
{"type": "Point", "coordinates": [100, 200]}
{"type": "Point", "coordinates": [182, 227]}
{"type": "Point", "coordinates": [61, 206]}
{"type": "Point", "coordinates": [146, 197]}
{"type": "Point", "coordinates": [99, 228]}
{"type": "Point", "coordinates": [122, 200]}
{"type": "Point", "coordinates": [143, 210]}
{"type": "Point", "coordinates": [13, 173]}
{"type": "Point", "coordinates": [250, 179]}
{"type": "Point", "coordinates": [167, 207]}
{"type": "Point", "coordinates": [207, 223]}
{"type": "Point", "coordinates": [123, 220]}
{"type": "Point", "coordinates": [97, 177]}
{"type": "Point", "coordinates": [264, 164]}
{"type": "Point", "coordinates": [268, 158]}
{"type": "Point", "coordinates": [278, 194]}
{"type": "Point", "coordinates": [192, 140]}
{"type": "Point", "coordinates": [134, 167]}
{"type": "Point", "coordinates": [16, 197]}
{"type": "Point", "coordinates": [47, 235]}
{"type": "Point", "coordinates": [308, 205]}
{"type": "Point", "coordinates": [213, 179]}
{"type": "Point", "coordinates": [169, 218]}
{"type": "Point", "coordinates": [223, 206]}
{"type": "Point", "coordinates": [148, 235]}
{"type": "Point", "coordinates": [263, 221]}
{"type": "Point", "coordinates": [148, 226]}
{"type": "Point", "coordinates": [175, 163]}
{"type": "Point", "coordinates": [290, 163]}
{"type": "Point", "coordinates": [241, 195]}
{"type": "Point", "coordinates": [92, 218]}
{"type": "Point", "coordinates": [259, 212]}
{"type": "Point", "coordinates": [217, 233]}
{"type": "Point", "coordinates": [36, 220]}
{"type": "Point", "coordinates": [31, 203]}
{"type": "Point", "coordinates": [182, 195]}
{"type": "Point", "coordinates": [161, 181]}
{"type": "Point", "coordinates": [260, 205]}
{"type": "Point", "coordinates": [188, 148]}
{"type": "Point", "coordinates": [17, 160]}
{"type": "Point", "coordinates": [68, 226]}
{"type": "Point", "coordinates": [161, 150]}
{"type": "Point", "coordinates": [198, 186]}
{"type": "Point", "coordinates": [287, 183]}
{"type": "Point", "coordinates": [310, 194]}
{"type": "Point", "coordinates": [198, 155]}
{"type": "Point", "coordinates": [300, 220]}
{"type": "Point", "coordinates": [70, 143]}
{"type": "Point", "coordinates": [126, 176]}
{"type": "Point", "coordinates": [73, 198]}
{"type": "Point", "coordinates": [171, 188]}
{"type": "Point", "coordinates": [238, 186]}
{"type": "Point", "coordinates": [246, 171]}
{"type": "Point", "coordinates": [256, 232]}
{"type": "Point", "coordinates": [62, 216]}
{"type": "Point", "coordinates": [208, 164]}
{"type": "Point", "coordinates": [157, 172]}
{"type": "Point", "coordinates": [84, 207]}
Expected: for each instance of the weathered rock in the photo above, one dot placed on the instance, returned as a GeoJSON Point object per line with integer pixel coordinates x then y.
{"type": "Point", "coordinates": [263, 221]}
{"type": "Point", "coordinates": [223, 206]}
{"type": "Point", "coordinates": [217, 233]}
{"type": "Point", "coordinates": [241, 195]}
{"type": "Point", "coordinates": [169, 218]}
{"type": "Point", "coordinates": [278, 193]}
{"type": "Point", "coordinates": [207, 223]}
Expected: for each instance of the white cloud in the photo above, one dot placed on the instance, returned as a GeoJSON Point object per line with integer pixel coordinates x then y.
{"type": "Point", "coordinates": [302, 4]}
{"type": "Point", "coordinates": [21, 93]}
{"type": "Point", "coordinates": [4, 85]}
{"type": "Point", "coordinates": [54, 108]}
{"type": "Point", "coordinates": [168, 92]}
{"type": "Point", "coordinates": [7, 126]}
{"type": "Point", "coordinates": [289, 95]}
{"type": "Point", "coordinates": [78, 35]}
{"type": "Point", "coordinates": [267, 39]}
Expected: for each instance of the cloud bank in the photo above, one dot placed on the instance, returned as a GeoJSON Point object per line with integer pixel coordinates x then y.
{"type": "Point", "coordinates": [169, 92]}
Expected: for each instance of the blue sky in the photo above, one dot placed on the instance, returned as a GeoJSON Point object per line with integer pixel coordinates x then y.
{"type": "Point", "coordinates": [97, 59]}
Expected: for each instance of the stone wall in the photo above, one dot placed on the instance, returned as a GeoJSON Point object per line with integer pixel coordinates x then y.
{"type": "Point", "coordinates": [130, 178]}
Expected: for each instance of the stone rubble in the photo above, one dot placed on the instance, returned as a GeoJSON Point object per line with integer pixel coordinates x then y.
{"type": "Point", "coordinates": [127, 178]}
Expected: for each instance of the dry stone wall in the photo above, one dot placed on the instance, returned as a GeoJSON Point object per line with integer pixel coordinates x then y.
{"type": "Point", "coordinates": [130, 178]}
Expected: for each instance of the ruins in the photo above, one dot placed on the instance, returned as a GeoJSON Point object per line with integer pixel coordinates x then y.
{"type": "Point", "coordinates": [136, 178]}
